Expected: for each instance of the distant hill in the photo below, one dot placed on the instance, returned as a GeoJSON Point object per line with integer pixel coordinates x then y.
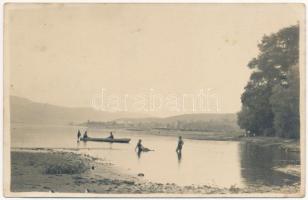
{"type": "Point", "coordinates": [205, 117]}
{"type": "Point", "coordinates": [26, 111]}
{"type": "Point", "coordinates": [189, 122]}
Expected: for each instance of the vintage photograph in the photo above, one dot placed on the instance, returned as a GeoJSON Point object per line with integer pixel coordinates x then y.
{"type": "Point", "coordinates": [154, 100]}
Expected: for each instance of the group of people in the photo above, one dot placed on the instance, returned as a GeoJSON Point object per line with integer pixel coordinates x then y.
{"type": "Point", "coordinates": [85, 135]}
{"type": "Point", "coordinates": [139, 147]}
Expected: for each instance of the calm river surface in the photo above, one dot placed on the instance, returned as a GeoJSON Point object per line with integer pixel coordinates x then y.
{"type": "Point", "coordinates": [219, 163]}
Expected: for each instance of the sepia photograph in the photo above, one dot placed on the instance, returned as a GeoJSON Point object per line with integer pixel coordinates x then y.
{"type": "Point", "coordinates": [154, 99]}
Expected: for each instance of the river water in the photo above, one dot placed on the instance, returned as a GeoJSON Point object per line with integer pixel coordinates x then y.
{"type": "Point", "coordinates": [216, 163]}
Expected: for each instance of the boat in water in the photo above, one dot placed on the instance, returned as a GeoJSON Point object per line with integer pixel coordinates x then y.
{"type": "Point", "coordinates": [114, 140]}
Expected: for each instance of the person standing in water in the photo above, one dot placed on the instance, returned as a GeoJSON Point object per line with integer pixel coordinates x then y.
{"type": "Point", "coordinates": [139, 147]}
{"type": "Point", "coordinates": [78, 135]}
{"type": "Point", "coordinates": [180, 145]}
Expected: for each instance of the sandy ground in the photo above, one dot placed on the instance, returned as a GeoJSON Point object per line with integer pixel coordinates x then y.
{"type": "Point", "coordinates": [53, 171]}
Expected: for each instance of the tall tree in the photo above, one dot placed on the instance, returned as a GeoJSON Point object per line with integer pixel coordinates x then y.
{"type": "Point", "coordinates": [271, 69]}
{"type": "Point", "coordinates": [285, 105]}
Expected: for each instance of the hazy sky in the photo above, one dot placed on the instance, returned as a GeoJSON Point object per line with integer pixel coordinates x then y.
{"type": "Point", "coordinates": [65, 54]}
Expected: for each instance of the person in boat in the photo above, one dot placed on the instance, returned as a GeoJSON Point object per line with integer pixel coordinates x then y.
{"type": "Point", "coordinates": [78, 135]}
{"type": "Point", "coordinates": [111, 136]}
{"type": "Point", "coordinates": [85, 135]}
{"type": "Point", "coordinates": [180, 145]}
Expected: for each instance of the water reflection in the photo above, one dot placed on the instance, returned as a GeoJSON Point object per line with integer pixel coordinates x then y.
{"type": "Point", "coordinates": [139, 154]}
{"type": "Point", "coordinates": [257, 164]}
{"type": "Point", "coordinates": [222, 163]}
{"type": "Point", "coordinates": [84, 144]}
{"type": "Point", "coordinates": [179, 154]}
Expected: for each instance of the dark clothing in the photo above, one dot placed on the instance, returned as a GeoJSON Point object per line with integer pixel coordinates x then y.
{"type": "Point", "coordinates": [139, 147]}
{"type": "Point", "coordinates": [78, 134]}
{"type": "Point", "coordinates": [180, 145]}
{"type": "Point", "coordinates": [85, 135]}
{"type": "Point", "coordinates": [111, 136]}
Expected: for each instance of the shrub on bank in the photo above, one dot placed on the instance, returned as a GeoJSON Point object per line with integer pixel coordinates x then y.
{"type": "Point", "coordinates": [66, 166]}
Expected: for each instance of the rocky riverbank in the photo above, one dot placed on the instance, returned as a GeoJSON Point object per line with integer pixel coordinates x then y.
{"type": "Point", "coordinates": [67, 172]}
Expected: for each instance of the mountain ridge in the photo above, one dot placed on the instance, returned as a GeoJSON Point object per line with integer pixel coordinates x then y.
{"type": "Point", "coordinates": [27, 111]}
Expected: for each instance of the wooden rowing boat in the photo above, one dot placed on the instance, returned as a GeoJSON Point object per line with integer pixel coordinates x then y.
{"type": "Point", "coordinates": [114, 140]}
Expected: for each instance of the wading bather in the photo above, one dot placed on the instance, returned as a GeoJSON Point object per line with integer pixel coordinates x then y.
{"type": "Point", "coordinates": [180, 145]}
{"type": "Point", "coordinates": [141, 148]}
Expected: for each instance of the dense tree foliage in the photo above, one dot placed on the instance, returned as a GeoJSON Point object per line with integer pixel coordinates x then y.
{"type": "Point", "coordinates": [285, 106]}
{"type": "Point", "coordinates": [270, 103]}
